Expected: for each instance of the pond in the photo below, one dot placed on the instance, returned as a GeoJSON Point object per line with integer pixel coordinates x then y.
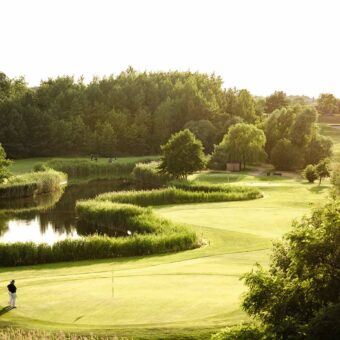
{"type": "Point", "coordinates": [50, 218]}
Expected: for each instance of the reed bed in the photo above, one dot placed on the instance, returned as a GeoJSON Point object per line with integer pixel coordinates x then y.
{"type": "Point", "coordinates": [31, 184]}
{"type": "Point", "coordinates": [95, 247]}
{"type": "Point", "coordinates": [148, 176]}
{"type": "Point", "coordinates": [86, 167]}
{"type": "Point", "coordinates": [175, 195]}
{"type": "Point", "coordinates": [24, 334]}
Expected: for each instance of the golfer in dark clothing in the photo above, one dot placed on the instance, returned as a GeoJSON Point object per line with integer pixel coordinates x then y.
{"type": "Point", "coordinates": [12, 291]}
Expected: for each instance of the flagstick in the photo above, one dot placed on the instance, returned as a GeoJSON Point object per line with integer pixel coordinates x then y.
{"type": "Point", "coordinates": [112, 286]}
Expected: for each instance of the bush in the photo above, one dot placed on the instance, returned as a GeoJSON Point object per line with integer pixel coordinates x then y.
{"type": "Point", "coordinates": [241, 332]}
{"type": "Point", "coordinates": [31, 184]}
{"type": "Point", "coordinates": [148, 175]}
{"type": "Point", "coordinates": [310, 173]}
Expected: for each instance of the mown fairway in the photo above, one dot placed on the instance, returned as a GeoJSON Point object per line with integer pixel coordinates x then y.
{"type": "Point", "coordinates": [190, 293]}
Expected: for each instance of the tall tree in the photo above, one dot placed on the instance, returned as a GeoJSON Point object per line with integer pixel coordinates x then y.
{"type": "Point", "coordinates": [276, 101]}
{"type": "Point", "coordinates": [246, 108]}
{"type": "Point", "coordinates": [182, 154]}
{"type": "Point", "coordinates": [327, 104]}
{"type": "Point", "coordinates": [243, 143]}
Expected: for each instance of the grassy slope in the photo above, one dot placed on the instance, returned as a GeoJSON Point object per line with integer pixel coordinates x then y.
{"type": "Point", "coordinates": [334, 134]}
{"type": "Point", "coordinates": [189, 293]}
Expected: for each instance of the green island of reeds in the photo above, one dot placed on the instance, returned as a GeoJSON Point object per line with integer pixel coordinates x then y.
{"type": "Point", "coordinates": [123, 211]}
{"type": "Point", "coordinates": [103, 168]}
{"type": "Point", "coordinates": [31, 184]}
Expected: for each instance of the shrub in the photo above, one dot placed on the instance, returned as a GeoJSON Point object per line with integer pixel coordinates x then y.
{"type": "Point", "coordinates": [148, 175]}
{"type": "Point", "coordinates": [310, 173]}
{"type": "Point", "coordinates": [241, 332]}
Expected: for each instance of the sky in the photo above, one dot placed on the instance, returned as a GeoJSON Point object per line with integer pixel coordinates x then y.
{"type": "Point", "coordinates": [261, 45]}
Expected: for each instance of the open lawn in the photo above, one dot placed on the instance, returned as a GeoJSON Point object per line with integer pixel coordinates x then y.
{"type": "Point", "coordinates": [185, 295]}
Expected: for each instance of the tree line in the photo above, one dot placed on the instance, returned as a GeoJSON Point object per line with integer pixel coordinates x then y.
{"type": "Point", "coordinates": [134, 113]}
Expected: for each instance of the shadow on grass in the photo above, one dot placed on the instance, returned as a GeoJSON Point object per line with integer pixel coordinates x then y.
{"type": "Point", "coordinates": [5, 310]}
{"type": "Point", "coordinates": [318, 189]}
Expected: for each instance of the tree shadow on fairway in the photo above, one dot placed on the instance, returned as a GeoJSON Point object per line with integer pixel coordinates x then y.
{"type": "Point", "coordinates": [318, 189]}
{"type": "Point", "coordinates": [5, 310]}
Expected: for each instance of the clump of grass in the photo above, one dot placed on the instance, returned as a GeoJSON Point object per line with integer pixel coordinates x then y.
{"type": "Point", "coordinates": [31, 184]}
{"type": "Point", "coordinates": [174, 195]}
{"type": "Point", "coordinates": [24, 334]}
{"type": "Point", "coordinates": [148, 176]}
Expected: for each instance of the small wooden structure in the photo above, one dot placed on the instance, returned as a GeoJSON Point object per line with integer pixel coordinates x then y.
{"type": "Point", "coordinates": [234, 166]}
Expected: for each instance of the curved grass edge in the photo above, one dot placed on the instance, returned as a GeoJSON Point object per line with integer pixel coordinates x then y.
{"type": "Point", "coordinates": [151, 234]}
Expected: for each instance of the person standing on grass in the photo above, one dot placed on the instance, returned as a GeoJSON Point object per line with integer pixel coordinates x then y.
{"type": "Point", "coordinates": [12, 291]}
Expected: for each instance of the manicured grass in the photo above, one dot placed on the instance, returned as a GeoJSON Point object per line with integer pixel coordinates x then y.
{"type": "Point", "coordinates": [185, 295]}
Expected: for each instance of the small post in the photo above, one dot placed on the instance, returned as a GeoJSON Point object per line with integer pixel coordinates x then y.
{"type": "Point", "coordinates": [112, 285]}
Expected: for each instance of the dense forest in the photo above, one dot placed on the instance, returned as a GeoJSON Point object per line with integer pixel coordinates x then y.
{"type": "Point", "coordinates": [134, 113]}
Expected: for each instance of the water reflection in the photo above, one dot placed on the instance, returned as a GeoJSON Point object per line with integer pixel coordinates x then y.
{"type": "Point", "coordinates": [50, 218]}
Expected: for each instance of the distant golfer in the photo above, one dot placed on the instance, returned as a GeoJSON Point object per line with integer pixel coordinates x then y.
{"type": "Point", "coordinates": [12, 291]}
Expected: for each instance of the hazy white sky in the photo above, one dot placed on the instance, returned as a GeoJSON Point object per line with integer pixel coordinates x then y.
{"type": "Point", "coordinates": [261, 45]}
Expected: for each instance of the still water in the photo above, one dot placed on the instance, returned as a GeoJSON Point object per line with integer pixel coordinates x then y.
{"type": "Point", "coordinates": [50, 218]}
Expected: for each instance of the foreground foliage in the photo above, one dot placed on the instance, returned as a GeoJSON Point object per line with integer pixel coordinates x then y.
{"type": "Point", "coordinates": [301, 289]}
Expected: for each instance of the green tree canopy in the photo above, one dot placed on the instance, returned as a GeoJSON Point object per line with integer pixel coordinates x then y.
{"type": "Point", "coordinates": [205, 131]}
{"type": "Point", "coordinates": [276, 101]}
{"type": "Point", "coordinates": [327, 104]}
{"type": "Point", "coordinates": [182, 154]}
{"type": "Point", "coordinates": [243, 143]}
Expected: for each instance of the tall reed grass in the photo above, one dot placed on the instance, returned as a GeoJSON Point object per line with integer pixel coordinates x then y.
{"type": "Point", "coordinates": [174, 195]}
{"type": "Point", "coordinates": [24, 334]}
{"type": "Point", "coordinates": [31, 184]}
{"type": "Point", "coordinates": [86, 167]}
{"type": "Point", "coordinates": [148, 176]}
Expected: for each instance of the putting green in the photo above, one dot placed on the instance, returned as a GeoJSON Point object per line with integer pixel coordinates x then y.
{"type": "Point", "coordinates": [192, 293]}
